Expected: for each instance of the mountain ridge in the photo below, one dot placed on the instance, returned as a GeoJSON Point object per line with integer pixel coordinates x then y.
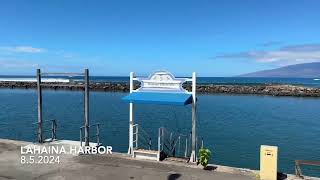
{"type": "Point", "coordinates": [304, 70]}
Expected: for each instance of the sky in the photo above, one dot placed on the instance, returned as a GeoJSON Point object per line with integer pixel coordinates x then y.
{"type": "Point", "coordinates": [113, 38]}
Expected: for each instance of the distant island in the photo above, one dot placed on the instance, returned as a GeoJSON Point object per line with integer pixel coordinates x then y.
{"type": "Point", "coordinates": [305, 70]}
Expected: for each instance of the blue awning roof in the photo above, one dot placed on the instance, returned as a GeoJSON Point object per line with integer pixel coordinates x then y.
{"type": "Point", "coordinates": [159, 98]}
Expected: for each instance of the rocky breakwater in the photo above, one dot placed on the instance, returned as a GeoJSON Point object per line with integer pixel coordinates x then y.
{"type": "Point", "coordinates": [268, 89]}
{"type": "Point", "coordinates": [262, 89]}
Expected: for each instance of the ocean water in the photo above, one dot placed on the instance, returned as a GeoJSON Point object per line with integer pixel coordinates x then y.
{"type": "Point", "coordinates": [308, 82]}
{"type": "Point", "coordinates": [233, 126]}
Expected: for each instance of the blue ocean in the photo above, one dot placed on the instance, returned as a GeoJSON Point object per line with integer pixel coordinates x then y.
{"type": "Point", "coordinates": [233, 126]}
{"type": "Point", "coordinates": [307, 82]}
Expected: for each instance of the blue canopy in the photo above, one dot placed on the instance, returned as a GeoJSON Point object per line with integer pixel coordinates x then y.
{"type": "Point", "coordinates": [159, 98]}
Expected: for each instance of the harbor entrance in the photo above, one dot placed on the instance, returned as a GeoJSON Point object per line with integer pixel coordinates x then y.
{"type": "Point", "coordinates": [163, 88]}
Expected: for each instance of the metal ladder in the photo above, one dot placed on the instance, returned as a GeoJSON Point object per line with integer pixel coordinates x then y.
{"type": "Point", "coordinates": [97, 135]}
{"type": "Point", "coordinates": [53, 129]}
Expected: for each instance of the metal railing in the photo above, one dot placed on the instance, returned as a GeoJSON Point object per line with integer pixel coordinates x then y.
{"type": "Point", "coordinates": [176, 144]}
{"type": "Point", "coordinates": [141, 138]}
{"type": "Point", "coordinates": [53, 129]}
{"type": "Point", "coordinates": [97, 135]}
{"type": "Point", "coordinates": [298, 170]}
{"type": "Point", "coordinates": [172, 143]}
{"type": "Point", "coordinates": [199, 142]}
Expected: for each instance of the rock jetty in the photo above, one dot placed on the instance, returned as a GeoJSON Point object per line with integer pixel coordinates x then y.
{"type": "Point", "coordinates": [262, 89]}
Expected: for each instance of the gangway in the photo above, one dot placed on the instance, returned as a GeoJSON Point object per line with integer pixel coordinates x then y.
{"type": "Point", "coordinates": [170, 145]}
{"type": "Point", "coordinates": [163, 88]}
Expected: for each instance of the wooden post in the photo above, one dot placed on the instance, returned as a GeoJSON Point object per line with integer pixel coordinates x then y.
{"type": "Point", "coordinates": [193, 157]}
{"type": "Point", "coordinates": [86, 107]}
{"type": "Point", "coordinates": [40, 136]}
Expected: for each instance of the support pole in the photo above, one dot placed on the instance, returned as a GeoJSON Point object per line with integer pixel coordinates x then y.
{"type": "Point", "coordinates": [193, 157]}
{"type": "Point", "coordinates": [131, 117]}
{"type": "Point", "coordinates": [40, 136]}
{"type": "Point", "coordinates": [137, 136]}
{"type": "Point", "coordinates": [86, 107]}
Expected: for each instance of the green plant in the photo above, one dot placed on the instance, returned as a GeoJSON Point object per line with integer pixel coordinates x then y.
{"type": "Point", "coordinates": [205, 155]}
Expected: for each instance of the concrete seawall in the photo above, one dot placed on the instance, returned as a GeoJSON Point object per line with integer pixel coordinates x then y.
{"type": "Point", "coordinates": [263, 89]}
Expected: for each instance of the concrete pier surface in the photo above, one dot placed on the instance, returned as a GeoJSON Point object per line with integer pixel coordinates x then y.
{"type": "Point", "coordinates": [113, 167]}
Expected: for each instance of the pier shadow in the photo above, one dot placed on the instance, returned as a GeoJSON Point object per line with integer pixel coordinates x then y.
{"type": "Point", "coordinates": [173, 176]}
{"type": "Point", "coordinates": [281, 176]}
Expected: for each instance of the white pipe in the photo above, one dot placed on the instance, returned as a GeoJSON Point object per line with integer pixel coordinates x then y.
{"type": "Point", "coordinates": [193, 157]}
{"type": "Point", "coordinates": [131, 117]}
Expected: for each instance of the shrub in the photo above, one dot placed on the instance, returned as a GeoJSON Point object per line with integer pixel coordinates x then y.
{"type": "Point", "coordinates": [205, 155]}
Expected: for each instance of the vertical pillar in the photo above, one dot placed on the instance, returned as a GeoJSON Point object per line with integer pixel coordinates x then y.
{"type": "Point", "coordinates": [131, 117]}
{"type": "Point", "coordinates": [40, 137]}
{"type": "Point", "coordinates": [86, 106]}
{"type": "Point", "coordinates": [193, 157]}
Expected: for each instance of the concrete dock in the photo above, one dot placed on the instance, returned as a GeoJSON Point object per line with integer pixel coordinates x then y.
{"type": "Point", "coordinates": [114, 167]}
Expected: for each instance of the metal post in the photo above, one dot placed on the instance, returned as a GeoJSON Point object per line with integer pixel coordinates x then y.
{"type": "Point", "coordinates": [186, 149]}
{"type": "Point", "coordinates": [40, 135]}
{"type": "Point", "coordinates": [52, 130]}
{"type": "Point", "coordinates": [193, 157]}
{"type": "Point", "coordinates": [137, 135]}
{"type": "Point", "coordinates": [162, 138]}
{"type": "Point", "coordinates": [179, 146]}
{"type": "Point", "coordinates": [55, 129]}
{"type": "Point", "coordinates": [80, 136]}
{"type": "Point", "coordinates": [159, 140]}
{"type": "Point", "coordinates": [86, 106]}
{"type": "Point", "coordinates": [131, 117]}
{"type": "Point", "coordinates": [201, 143]}
{"type": "Point", "coordinates": [98, 134]}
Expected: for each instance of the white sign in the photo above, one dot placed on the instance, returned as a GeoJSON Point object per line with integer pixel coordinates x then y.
{"type": "Point", "coordinates": [162, 80]}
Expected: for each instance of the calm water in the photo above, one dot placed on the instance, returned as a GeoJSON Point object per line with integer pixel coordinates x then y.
{"type": "Point", "coordinates": [233, 126]}
{"type": "Point", "coordinates": [308, 82]}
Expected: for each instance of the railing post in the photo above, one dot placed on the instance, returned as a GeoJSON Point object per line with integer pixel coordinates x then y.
{"type": "Point", "coordinates": [98, 134]}
{"type": "Point", "coordinates": [159, 140]}
{"type": "Point", "coordinates": [55, 129]}
{"type": "Point", "coordinates": [190, 142]}
{"type": "Point", "coordinates": [52, 130]}
{"type": "Point", "coordinates": [162, 138]}
{"type": "Point", "coordinates": [186, 149]}
{"type": "Point", "coordinates": [137, 135]}
{"type": "Point", "coordinates": [40, 135]}
{"type": "Point", "coordinates": [179, 145]}
{"type": "Point", "coordinates": [80, 136]}
{"type": "Point", "coordinates": [86, 107]}
{"type": "Point", "coordinates": [201, 143]}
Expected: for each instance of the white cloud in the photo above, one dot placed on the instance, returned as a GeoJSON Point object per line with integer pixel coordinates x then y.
{"type": "Point", "coordinates": [22, 49]}
{"type": "Point", "coordinates": [11, 63]}
{"type": "Point", "coordinates": [284, 56]}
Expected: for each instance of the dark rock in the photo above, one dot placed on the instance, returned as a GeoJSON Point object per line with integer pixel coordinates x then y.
{"type": "Point", "coordinates": [263, 89]}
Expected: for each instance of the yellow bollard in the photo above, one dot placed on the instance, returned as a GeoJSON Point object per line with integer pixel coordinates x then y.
{"type": "Point", "coordinates": [268, 162]}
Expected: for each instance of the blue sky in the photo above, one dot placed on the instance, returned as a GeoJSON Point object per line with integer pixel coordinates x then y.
{"type": "Point", "coordinates": [213, 38]}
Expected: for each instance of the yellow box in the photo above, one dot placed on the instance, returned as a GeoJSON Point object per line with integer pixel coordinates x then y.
{"type": "Point", "coordinates": [268, 162]}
